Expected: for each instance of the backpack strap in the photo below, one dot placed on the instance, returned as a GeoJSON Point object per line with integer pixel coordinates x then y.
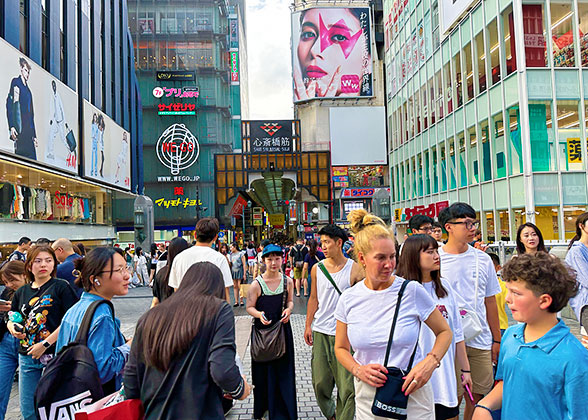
{"type": "Point", "coordinates": [84, 330]}
{"type": "Point", "coordinates": [328, 276]}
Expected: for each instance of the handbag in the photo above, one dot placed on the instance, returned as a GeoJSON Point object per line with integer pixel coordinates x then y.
{"type": "Point", "coordinates": [268, 344]}
{"type": "Point", "coordinates": [470, 322]}
{"type": "Point", "coordinates": [390, 401]}
{"type": "Point", "coordinates": [112, 408]}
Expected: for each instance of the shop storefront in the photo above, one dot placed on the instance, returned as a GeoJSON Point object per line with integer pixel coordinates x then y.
{"type": "Point", "coordinates": [486, 104]}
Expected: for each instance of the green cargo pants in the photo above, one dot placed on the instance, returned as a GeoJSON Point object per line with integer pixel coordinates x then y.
{"type": "Point", "coordinates": [328, 372]}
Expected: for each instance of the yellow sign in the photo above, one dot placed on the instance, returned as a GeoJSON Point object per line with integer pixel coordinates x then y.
{"type": "Point", "coordinates": [574, 150]}
{"type": "Point", "coordinates": [187, 202]}
{"type": "Point", "coordinates": [398, 215]}
{"type": "Point", "coordinates": [277, 219]}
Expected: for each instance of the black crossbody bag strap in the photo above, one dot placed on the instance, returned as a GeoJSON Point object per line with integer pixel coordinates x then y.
{"type": "Point", "coordinates": [84, 329]}
{"type": "Point", "coordinates": [285, 292]}
{"type": "Point", "coordinates": [328, 276]}
{"type": "Point", "coordinates": [400, 294]}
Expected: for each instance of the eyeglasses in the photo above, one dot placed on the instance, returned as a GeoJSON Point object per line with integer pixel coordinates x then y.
{"type": "Point", "coordinates": [426, 228]}
{"type": "Point", "coordinates": [468, 224]}
{"type": "Point", "coordinates": [122, 270]}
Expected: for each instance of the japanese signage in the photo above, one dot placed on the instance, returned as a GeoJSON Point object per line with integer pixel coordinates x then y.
{"type": "Point", "coordinates": [177, 202]}
{"type": "Point", "coordinates": [271, 136]}
{"type": "Point", "coordinates": [341, 181]}
{"type": "Point", "coordinates": [257, 216]}
{"type": "Point", "coordinates": [176, 108]}
{"type": "Point", "coordinates": [239, 206]}
{"type": "Point", "coordinates": [574, 150]}
{"type": "Point", "coordinates": [175, 76]}
{"type": "Point", "coordinates": [177, 148]}
{"type": "Point", "coordinates": [432, 210]}
{"type": "Point", "coordinates": [342, 37]}
{"type": "Point", "coordinates": [360, 192]}
{"type": "Point", "coordinates": [340, 171]}
{"type": "Point", "coordinates": [183, 92]}
{"type": "Point", "coordinates": [234, 63]}
{"type": "Point", "coordinates": [39, 120]}
{"type": "Point", "coordinates": [277, 220]}
{"type": "Point", "coordinates": [233, 34]}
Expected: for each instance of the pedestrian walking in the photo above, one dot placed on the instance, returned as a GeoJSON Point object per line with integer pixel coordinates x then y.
{"type": "Point", "coordinates": [419, 224]}
{"type": "Point", "coordinates": [539, 356]}
{"type": "Point", "coordinates": [66, 256]}
{"type": "Point", "coordinates": [437, 233]}
{"type": "Point", "coordinates": [270, 301]}
{"type": "Point", "coordinates": [577, 258]}
{"type": "Point", "coordinates": [102, 274]}
{"type": "Point", "coordinates": [207, 230]}
{"type": "Point", "coordinates": [471, 274]}
{"type": "Point", "coordinates": [19, 254]}
{"type": "Point", "coordinates": [238, 261]}
{"type": "Point", "coordinates": [140, 266]}
{"type": "Point", "coordinates": [185, 377]}
{"type": "Point", "coordinates": [380, 319]}
{"type": "Point", "coordinates": [330, 277]}
{"type": "Point", "coordinates": [161, 288]}
{"type": "Point", "coordinates": [41, 303]}
{"type": "Point", "coordinates": [420, 261]}
{"type": "Point", "coordinates": [13, 277]}
{"type": "Point", "coordinates": [296, 256]}
{"type": "Point", "coordinates": [313, 256]}
{"type": "Point", "coordinates": [529, 239]}
{"type": "Point", "coordinates": [251, 258]}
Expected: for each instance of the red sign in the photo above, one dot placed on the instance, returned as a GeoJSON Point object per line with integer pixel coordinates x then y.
{"type": "Point", "coordinates": [432, 210]}
{"type": "Point", "coordinates": [359, 192]}
{"type": "Point", "coordinates": [238, 207]}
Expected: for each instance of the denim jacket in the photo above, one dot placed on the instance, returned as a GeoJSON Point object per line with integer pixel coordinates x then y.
{"type": "Point", "coordinates": [105, 339]}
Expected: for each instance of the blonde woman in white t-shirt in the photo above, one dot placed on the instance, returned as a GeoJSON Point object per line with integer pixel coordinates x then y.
{"type": "Point", "coordinates": [364, 318]}
{"type": "Point", "coordinates": [420, 261]}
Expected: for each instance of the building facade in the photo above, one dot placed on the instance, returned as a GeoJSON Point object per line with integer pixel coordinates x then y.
{"type": "Point", "coordinates": [189, 78]}
{"type": "Point", "coordinates": [71, 117]}
{"type": "Point", "coordinates": [486, 104]}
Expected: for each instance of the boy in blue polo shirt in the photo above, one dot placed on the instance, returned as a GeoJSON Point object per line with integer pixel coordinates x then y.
{"type": "Point", "coordinates": [542, 368]}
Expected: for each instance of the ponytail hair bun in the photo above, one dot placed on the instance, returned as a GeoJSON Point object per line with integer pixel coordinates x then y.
{"type": "Point", "coordinates": [360, 219]}
{"type": "Point", "coordinates": [367, 228]}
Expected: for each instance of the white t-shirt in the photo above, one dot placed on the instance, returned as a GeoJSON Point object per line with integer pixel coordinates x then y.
{"type": "Point", "coordinates": [187, 258]}
{"type": "Point", "coordinates": [324, 318]}
{"type": "Point", "coordinates": [459, 271]}
{"type": "Point", "coordinates": [443, 379]}
{"type": "Point", "coordinates": [369, 314]}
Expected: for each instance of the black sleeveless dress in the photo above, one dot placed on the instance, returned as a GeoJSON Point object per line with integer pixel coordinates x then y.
{"type": "Point", "coordinates": [275, 382]}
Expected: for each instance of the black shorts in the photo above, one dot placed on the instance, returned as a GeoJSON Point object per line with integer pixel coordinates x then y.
{"type": "Point", "coordinates": [444, 413]}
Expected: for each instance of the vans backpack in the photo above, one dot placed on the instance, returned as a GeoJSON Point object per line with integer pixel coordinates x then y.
{"type": "Point", "coordinates": [71, 379]}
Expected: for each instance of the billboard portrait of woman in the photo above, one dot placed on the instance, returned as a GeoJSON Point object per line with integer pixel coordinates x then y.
{"type": "Point", "coordinates": [332, 53]}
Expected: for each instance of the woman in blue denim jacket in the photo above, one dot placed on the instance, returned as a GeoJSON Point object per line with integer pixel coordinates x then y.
{"type": "Point", "coordinates": [103, 274]}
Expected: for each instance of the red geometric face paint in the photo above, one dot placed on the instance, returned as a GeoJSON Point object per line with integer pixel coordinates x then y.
{"type": "Point", "coordinates": [338, 33]}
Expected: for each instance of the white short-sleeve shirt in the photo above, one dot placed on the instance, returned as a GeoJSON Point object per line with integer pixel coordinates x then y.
{"type": "Point", "coordinates": [369, 314]}
{"type": "Point", "coordinates": [459, 270]}
{"type": "Point", "coordinates": [187, 258]}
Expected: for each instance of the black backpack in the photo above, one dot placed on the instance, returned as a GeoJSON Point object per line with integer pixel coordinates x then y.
{"type": "Point", "coordinates": [71, 380]}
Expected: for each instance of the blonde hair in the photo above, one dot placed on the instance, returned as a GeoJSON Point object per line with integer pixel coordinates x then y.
{"type": "Point", "coordinates": [366, 228]}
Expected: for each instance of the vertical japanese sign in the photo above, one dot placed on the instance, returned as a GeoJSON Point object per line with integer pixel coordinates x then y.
{"type": "Point", "coordinates": [574, 150]}
{"type": "Point", "coordinates": [233, 34]}
{"type": "Point", "coordinates": [234, 63]}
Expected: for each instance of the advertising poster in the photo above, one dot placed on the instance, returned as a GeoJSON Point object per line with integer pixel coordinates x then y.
{"type": "Point", "coordinates": [233, 34]}
{"type": "Point", "coordinates": [39, 119]}
{"type": "Point", "coordinates": [234, 63]}
{"type": "Point", "coordinates": [332, 53]}
{"type": "Point", "coordinates": [107, 149]}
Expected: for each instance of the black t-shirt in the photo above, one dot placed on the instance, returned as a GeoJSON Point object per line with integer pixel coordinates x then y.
{"type": "Point", "coordinates": [5, 295]}
{"type": "Point", "coordinates": [42, 310]}
{"type": "Point", "coordinates": [160, 290]}
{"type": "Point", "coordinates": [17, 256]}
{"type": "Point", "coordinates": [298, 252]}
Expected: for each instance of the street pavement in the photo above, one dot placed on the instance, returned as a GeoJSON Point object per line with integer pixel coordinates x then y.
{"type": "Point", "coordinates": [131, 307]}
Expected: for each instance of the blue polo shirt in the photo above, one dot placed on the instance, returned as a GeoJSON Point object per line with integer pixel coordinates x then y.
{"type": "Point", "coordinates": [546, 379]}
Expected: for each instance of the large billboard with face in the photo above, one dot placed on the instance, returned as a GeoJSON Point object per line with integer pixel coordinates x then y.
{"type": "Point", "coordinates": [39, 119]}
{"type": "Point", "coordinates": [107, 149]}
{"type": "Point", "coordinates": [332, 53]}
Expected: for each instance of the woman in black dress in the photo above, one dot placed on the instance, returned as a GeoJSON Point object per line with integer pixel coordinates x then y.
{"type": "Point", "coordinates": [275, 382]}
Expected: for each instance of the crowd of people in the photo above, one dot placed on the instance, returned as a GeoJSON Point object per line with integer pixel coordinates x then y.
{"type": "Point", "coordinates": [406, 331]}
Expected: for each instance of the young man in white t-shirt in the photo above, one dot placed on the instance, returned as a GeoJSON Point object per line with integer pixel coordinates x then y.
{"type": "Point", "coordinates": [206, 233]}
{"type": "Point", "coordinates": [462, 266]}
{"type": "Point", "coordinates": [321, 325]}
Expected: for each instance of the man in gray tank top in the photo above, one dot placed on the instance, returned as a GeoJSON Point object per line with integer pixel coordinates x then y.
{"type": "Point", "coordinates": [330, 278]}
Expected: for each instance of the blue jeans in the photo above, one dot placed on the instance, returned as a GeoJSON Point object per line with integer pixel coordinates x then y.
{"type": "Point", "coordinates": [8, 365]}
{"type": "Point", "coordinates": [29, 375]}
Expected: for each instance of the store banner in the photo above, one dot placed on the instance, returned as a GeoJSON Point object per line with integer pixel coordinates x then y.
{"type": "Point", "coordinates": [40, 117]}
{"type": "Point", "coordinates": [238, 207]}
{"type": "Point", "coordinates": [173, 76]}
{"type": "Point", "coordinates": [234, 63]}
{"type": "Point", "coordinates": [341, 65]}
{"type": "Point", "coordinates": [233, 34]}
{"type": "Point", "coordinates": [271, 136]}
{"type": "Point", "coordinates": [107, 150]}
{"type": "Point", "coordinates": [574, 150]}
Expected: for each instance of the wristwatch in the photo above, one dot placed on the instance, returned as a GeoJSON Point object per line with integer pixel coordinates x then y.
{"type": "Point", "coordinates": [46, 344]}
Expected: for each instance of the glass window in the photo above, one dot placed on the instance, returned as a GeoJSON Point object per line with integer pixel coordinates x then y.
{"type": "Point", "coordinates": [419, 174]}
{"type": "Point", "coordinates": [413, 172]}
{"type": "Point", "coordinates": [427, 164]}
{"type": "Point", "coordinates": [424, 111]}
{"type": "Point", "coordinates": [516, 149]}
{"type": "Point", "coordinates": [562, 34]}
{"type": "Point", "coordinates": [452, 163]}
{"type": "Point", "coordinates": [469, 72]}
{"type": "Point", "coordinates": [546, 219]}
{"type": "Point", "coordinates": [431, 98]}
{"type": "Point", "coordinates": [583, 32]}
{"type": "Point", "coordinates": [23, 44]}
{"type": "Point", "coordinates": [448, 94]}
{"type": "Point", "coordinates": [435, 170]}
{"type": "Point", "coordinates": [490, 226]}
{"type": "Point", "coordinates": [458, 79]}
{"type": "Point", "coordinates": [534, 27]}
{"type": "Point", "coordinates": [435, 25]}
{"type": "Point", "coordinates": [570, 139]}
{"type": "Point", "coordinates": [440, 94]}
{"type": "Point", "coordinates": [571, 213]}
{"type": "Point", "coordinates": [410, 115]}
{"type": "Point", "coordinates": [444, 167]}
{"type": "Point", "coordinates": [498, 146]}
{"type": "Point", "coordinates": [481, 62]}
{"type": "Point", "coordinates": [494, 47]}
{"type": "Point", "coordinates": [463, 175]}
{"type": "Point", "coordinates": [473, 156]}
{"type": "Point", "coordinates": [486, 166]}
{"type": "Point", "coordinates": [542, 136]}
{"type": "Point", "coordinates": [417, 112]}
{"type": "Point", "coordinates": [509, 41]}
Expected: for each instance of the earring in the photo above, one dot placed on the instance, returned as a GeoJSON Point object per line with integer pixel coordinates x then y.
{"type": "Point", "coordinates": [97, 282]}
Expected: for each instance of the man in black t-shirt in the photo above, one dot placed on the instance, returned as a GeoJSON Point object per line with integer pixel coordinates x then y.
{"type": "Point", "coordinates": [297, 254]}
{"type": "Point", "coordinates": [19, 254]}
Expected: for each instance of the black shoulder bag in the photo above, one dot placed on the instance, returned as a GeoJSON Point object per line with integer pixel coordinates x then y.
{"type": "Point", "coordinates": [390, 401]}
{"type": "Point", "coordinates": [268, 344]}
